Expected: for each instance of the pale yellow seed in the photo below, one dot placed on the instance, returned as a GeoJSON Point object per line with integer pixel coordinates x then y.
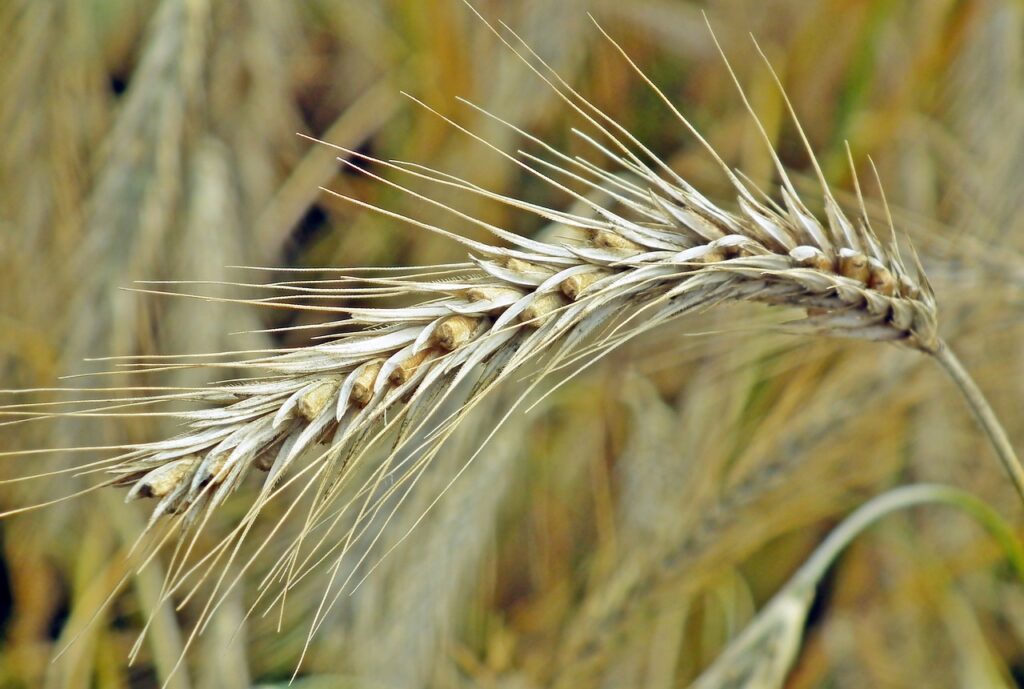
{"type": "Point", "coordinates": [574, 285]}
{"type": "Point", "coordinates": [540, 309]}
{"type": "Point", "coordinates": [518, 265]}
{"type": "Point", "coordinates": [525, 269]}
{"type": "Point", "coordinates": [162, 480]}
{"type": "Point", "coordinates": [854, 265]}
{"type": "Point", "coordinates": [823, 263]}
{"type": "Point", "coordinates": [817, 260]}
{"type": "Point", "coordinates": [488, 293]}
{"type": "Point", "coordinates": [455, 331]}
{"type": "Point", "coordinates": [881, 279]}
{"type": "Point", "coordinates": [492, 293]}
{"type": "Point", "coordinates": [216, 467]}
{"type": "Point", "coordinates": [714, 255]}
{"type": "Point", "coordinates": [404, 371]}
{"type": "Point", "coordinates": [317, 399]}
{"type": "Point", "coordinates": [611, 240]}
{"type": "Point", "coordinates": [362, 388]}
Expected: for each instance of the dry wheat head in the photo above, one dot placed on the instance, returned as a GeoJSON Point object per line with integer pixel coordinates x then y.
{"type": "Point", "coordinates": [645, 247]}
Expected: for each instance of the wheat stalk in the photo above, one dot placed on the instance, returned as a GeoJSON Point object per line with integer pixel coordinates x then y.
{"type": "Point", "coordinates": [657, 249]}
{"type": "Point", "coordinates": [761, 655]}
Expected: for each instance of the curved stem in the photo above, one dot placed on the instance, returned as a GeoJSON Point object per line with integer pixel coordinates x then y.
{"type": "Point", "coordinates": [814, 568]}
{"type": "Point", "coordinates": [767, 647]}
{"type": "Point", "coordinates": [983, 413]}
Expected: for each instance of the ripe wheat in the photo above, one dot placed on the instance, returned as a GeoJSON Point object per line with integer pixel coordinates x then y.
{"type": "Point", "coordinates": [650, 250]}
{"type": "Point", "coordinates": [668, 251]}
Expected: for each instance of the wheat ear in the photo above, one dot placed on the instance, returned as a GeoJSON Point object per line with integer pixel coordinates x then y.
{"type": "Point", "coordinates": [668, 251]}
{"type": "Point", "coordinates": [654, 249]}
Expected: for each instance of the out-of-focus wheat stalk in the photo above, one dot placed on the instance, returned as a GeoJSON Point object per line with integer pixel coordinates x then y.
{"type": "Point", "coordinates": [660, 249]}
{"type": "Point", "coordinates": [760, 657]}
{"type": "Point", "coordinates": [714, 518]}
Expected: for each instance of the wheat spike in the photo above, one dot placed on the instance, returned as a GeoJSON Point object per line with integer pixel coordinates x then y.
{"type": "Point", "coordinates": [657, 250]}
{"type": "Point", "coordinates": [634, 273]}
{"type": "Point", "coordinates": [663, 251]}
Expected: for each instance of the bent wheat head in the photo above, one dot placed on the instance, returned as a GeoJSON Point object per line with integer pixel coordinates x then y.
{"type": "Point", "coordinates": [659, 250]}
{"type": "Point", "coordinates": [646, 248]}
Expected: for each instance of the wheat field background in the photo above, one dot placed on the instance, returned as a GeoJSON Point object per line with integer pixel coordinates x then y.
{"type": "Point", "coordinates": [625, 529]}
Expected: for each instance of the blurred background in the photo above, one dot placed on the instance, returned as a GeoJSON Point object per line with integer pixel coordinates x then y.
{"type": "Point", "coordinates": [623, 531]}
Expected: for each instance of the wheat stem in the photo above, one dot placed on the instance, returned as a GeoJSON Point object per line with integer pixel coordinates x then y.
{"type": "Point", "coordinates": [762, 655]}
{"type": "Point", "coordinates": [983, 413]}
{"type": "Point", "coordinates": [811, 572]}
